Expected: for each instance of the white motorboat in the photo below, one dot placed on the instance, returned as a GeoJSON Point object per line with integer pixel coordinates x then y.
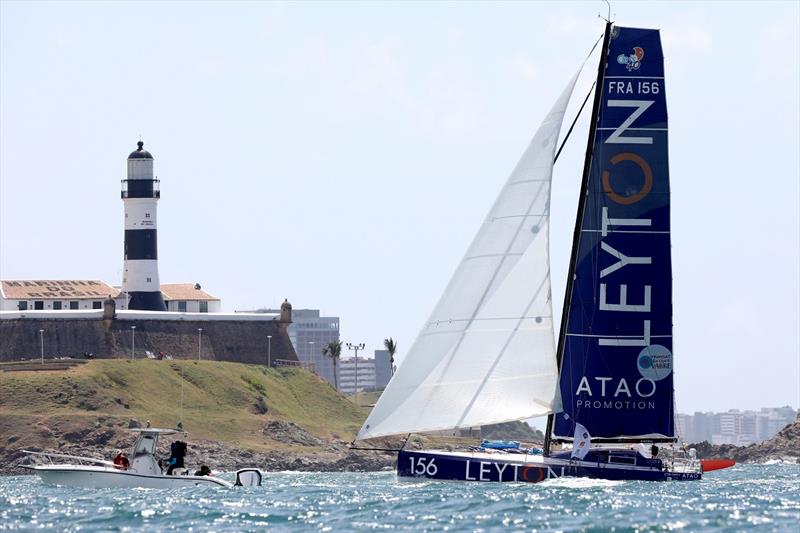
{"type": "Point", "coordinates": [142, 471]}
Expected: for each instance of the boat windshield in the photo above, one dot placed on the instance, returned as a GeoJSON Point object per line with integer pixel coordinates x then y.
{"type": "Point", "coordinates": [145, 445]}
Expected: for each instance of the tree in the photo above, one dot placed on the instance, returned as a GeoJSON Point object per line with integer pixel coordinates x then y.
{"type": "Point", "coordinates": [391, 346]}
{"type": "Point", "coordinates": [333, 350]}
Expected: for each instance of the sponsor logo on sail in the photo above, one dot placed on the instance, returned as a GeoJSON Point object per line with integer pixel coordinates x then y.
{"type": "Point", "coordinates": [632, 61]}
{"type": "Point", "coordinates": [655, 362]}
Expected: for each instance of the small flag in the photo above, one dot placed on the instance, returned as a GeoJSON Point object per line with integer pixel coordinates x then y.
{"type": "Point", "coordinates": [580, 442]}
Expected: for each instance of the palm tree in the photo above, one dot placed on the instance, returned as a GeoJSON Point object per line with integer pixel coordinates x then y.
{"type": "Point", "coordinates": [333, 350]}
{"type": "Point", "coordinates": [391, 346]}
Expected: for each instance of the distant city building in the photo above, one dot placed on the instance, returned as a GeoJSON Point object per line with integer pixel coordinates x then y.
{"type": "Point", "coordinates": [383, 369]}
{"type": "Point", "coordinates": [57, 295]}
{"type": "Point", "coordinates": [734, 426]}
{"type": "Point", "coordinates": [310, 333]}
{"type": "Point", "coordinates": [351, 368]}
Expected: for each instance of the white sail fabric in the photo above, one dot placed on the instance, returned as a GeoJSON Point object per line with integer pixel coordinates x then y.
{"type": "Point", "coordinates": [487, 353]}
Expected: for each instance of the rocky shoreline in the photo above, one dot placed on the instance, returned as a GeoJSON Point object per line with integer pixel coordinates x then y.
{"type": "Point", "coordinates": [295, 449]}
{"type": "Point", "coordinates": [221, 457]}
{"type": "Point", "coordinates": [785, 446]}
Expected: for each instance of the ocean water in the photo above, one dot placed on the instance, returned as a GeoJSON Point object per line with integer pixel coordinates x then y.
{"type": "Point", "coordinates": [747, 497]}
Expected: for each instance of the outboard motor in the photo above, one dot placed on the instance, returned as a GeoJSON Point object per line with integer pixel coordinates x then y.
{"type": "Point", "coordinates": [248, 477]}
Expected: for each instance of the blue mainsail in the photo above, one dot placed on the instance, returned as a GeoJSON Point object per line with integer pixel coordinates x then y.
{"type": "Point", "coordinates": [616, 364]}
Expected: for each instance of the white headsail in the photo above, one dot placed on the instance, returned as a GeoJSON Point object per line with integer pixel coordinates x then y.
{"type": "Point", "coordinates": [487, 353]}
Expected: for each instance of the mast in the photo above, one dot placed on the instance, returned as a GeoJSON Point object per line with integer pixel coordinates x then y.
{"type": "Point", "coordinates": [587, 164]}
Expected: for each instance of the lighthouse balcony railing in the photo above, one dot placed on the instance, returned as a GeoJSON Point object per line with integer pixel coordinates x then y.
{"type": "Point", "coordinates": [141, 188]}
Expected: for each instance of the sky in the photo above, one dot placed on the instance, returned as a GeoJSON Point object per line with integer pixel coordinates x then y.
{"type": "Point", "coordinates": [343, 155]}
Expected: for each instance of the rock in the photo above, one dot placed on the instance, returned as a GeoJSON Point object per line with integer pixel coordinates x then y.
{"type": "Point", "coordinates": [77, 436]}
{"type": "Point", "coordinates": [520, 431]}
{"type": "Point", "coordinates": [101, 437]}
{"type": "Point", "coordinates": [785, 446]}
{"type": "Point", "coordinates": [134, 423]}
{"type": "Point", "coordinates": [290, 433]}
{"type": "Point", "coordinates": [260, 406]}
{"type": "Point", "coordinates": [86, 405]}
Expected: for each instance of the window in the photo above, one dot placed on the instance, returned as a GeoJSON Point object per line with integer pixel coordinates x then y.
{"type": "Point", "coordinates": [73, 305]}
{"type": "Point", "coordinates": [204, 307]}
{"type": "Point", "coordinates": [57, 305]}
{"type": "Point", "coordinates": [623, 460]}
{"type": "Point", "coordinates": [181, 306]}
{"type": "Point", "coordinates": [97, 305]}
{"type": "Point", "coordinates": [38, 305]}
{"type": "Point", "coordinates": [22, 306]}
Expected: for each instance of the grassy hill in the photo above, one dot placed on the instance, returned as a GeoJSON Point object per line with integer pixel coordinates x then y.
{"type": "Point", "coordinates": [228, 402]}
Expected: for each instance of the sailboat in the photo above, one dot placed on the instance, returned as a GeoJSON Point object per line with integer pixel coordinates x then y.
{"type": "Point", "coordinates": [487, 354]}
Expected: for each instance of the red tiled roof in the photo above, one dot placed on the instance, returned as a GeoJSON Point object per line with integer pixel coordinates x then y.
{"type": "Point", "coordinates": [184, 291]}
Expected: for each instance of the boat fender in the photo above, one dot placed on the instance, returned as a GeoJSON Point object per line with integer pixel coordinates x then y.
{"type": "Point", "coordinates": [248, 477]}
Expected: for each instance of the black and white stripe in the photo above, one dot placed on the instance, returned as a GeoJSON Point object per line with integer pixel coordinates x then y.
{"type": "Point", "coordinates": [140, 194]}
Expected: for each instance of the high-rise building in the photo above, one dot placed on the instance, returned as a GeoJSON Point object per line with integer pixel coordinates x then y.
{"type": "Point", "coordinates": [383, 369]}
{"type": "Point", "coordinates": [310, 333]}
{"type": "Point", "coordinates": [356, 374]}
{"type": "Point", "coordinates": [734, 426]}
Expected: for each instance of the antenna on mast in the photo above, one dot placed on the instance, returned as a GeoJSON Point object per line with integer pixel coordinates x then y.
{"type": "Point", "coordinates": [608, 20]}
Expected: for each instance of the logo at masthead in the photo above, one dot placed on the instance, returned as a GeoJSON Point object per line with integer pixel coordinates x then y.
{"type": "Point", "coordinates": [633, 61]}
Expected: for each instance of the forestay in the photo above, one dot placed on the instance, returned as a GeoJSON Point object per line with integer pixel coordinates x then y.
{"type": "Point", "coordinates": [487, 353]}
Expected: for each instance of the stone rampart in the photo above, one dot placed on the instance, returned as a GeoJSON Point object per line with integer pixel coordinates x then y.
{"type": "Point", "coordinates": [243, 341]}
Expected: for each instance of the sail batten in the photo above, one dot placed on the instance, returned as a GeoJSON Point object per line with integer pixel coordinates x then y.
{"type": "Point", "coordinates": [487, 353]}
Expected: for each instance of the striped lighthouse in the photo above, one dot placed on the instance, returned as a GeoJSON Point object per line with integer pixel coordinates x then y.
{"type": "Point", "coordinates": [140, 194]}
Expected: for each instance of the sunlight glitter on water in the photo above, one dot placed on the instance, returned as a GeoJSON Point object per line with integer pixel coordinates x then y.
{"type": "Point", "coordinates": [753, 497]}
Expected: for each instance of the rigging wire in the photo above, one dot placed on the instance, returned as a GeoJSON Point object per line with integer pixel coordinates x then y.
{"type": "Point", "coordinates": [594, 46]}
{"type": "Point", "coordinates": [572, 126]}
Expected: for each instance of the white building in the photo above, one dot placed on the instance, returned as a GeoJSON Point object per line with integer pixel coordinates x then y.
{"type": "Point", "coordinates": [363, 380]}
{"type": "Point", "coordinates": [56, 295]}
{"type": "Point", "coordinates": [189, 298]}
{"type": "Point", "coordinates": [734, 426]}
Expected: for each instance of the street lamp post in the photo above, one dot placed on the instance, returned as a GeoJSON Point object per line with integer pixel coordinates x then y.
{"type": "Point", "coordinates": [269, 351]}
{"type": "Point", "coordinates": [199, 341]}
{"type": "Point", "coordinates": [133, 341]}
{"type": "Point", "coordinates": [356, 348]}
{"type": "Point", "coordinates": [41, 342]}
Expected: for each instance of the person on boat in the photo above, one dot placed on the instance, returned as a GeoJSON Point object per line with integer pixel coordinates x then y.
{"type": "Point", "coordinates": [654, 451]}
{"type": "Point", "coordinates": [177, 453]}
{"type": "Point", "coordinates": [121, 461]}
{"type": "Point", "coordinates": [204, 471]}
